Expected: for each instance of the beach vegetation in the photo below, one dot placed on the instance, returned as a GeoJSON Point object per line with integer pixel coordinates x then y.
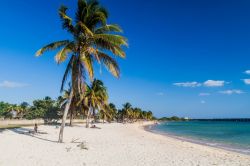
{"type": "Point", "coordinates": [173, 118]}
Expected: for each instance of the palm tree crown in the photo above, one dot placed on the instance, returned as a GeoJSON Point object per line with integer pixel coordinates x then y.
{"type": "Point", "coordinates": [92, 41]}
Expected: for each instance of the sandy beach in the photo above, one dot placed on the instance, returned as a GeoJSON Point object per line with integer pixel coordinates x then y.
{"type": "Point", "coordinates": [114, 144]}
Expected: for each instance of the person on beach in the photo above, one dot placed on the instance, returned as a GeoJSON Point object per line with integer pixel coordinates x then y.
{"type": "Point", "coordinates": [95, 127]}
{"type": "Point", "coordinates": [35, 128]}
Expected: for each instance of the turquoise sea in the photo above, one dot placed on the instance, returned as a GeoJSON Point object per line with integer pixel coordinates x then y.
{"type": "Point", "coordinates": [230, 135]}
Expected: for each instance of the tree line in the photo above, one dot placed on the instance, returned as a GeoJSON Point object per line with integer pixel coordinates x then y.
{"type": "Point", "coordinates": [93, 105]}
{"type": "Point", "coordinates": [173, 118]}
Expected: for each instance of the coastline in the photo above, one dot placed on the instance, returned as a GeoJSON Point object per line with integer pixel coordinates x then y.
{"type": "Point", "coordinates": [114, 144]}
{"type": "Point", "coordinates": [149, 128]}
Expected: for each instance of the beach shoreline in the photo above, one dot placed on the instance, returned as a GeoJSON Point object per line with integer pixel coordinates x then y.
{"type": "Point", "coordinates": [149, 128]}
{"type": "Point", "coordinates": [114, 144]}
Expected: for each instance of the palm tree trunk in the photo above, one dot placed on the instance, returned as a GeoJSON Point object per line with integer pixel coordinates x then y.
{"type": "Point", "coordinates": [71, 117]}
{"type": "Point", "coordinates": [66, 110]}
{"type": "Point", "coordinates": [87, 119]}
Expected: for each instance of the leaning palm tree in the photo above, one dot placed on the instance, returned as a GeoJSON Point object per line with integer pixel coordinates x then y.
{"type": "Point", "coordinates": [63, 102]}
{"type": "Point", "coordinates": [92, 41]}
{"type": "Point", "coordinates": [95, 98]}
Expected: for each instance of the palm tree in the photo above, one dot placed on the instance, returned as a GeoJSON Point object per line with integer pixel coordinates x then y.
{"type": "Point", "coordinates": [63, 102]}
{"type": "Point", "coordinates": [149, 115]}
{"type": "Point", "coordinates": [95, 98]}
{"type": "Point", "coordinates": [112, 111]}
{"type": "Point", "coordinates": [136, 114]}
{"type": "Point", "coordinates": [109, 112]}
{"type": "Point", "coordinates": [127, 110]}
{"type": "Point", "coordinates": [92, 40]}
{"type": "Point", "coordinates": [144, 115]}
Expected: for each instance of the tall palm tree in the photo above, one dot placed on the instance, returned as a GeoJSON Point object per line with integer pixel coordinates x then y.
{"type": "Point", "coordinates": [92, 41]}
{"type": "Point", "coordinates": [95, 98]}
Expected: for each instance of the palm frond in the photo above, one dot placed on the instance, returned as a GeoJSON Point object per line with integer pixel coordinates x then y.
{"type": "Point", "coordinates": [85, 29]}
{"type": "Point", "coordinates": [108, 28]}
{"type": "Point", "coordinates": [67, 72]}
{"type": "Point", "coordinates": [63, 53]}
{"type": "Point", "coordinates": [94, 52]}
{"type": "Point", "coordinates": [118, 51]}
{"type": "Point", "coordinates": [81, 10]}
{"type": "Point", "coordinates": [93, 4]}
{"type": "Point", "coordinates": [106, 45]}
{"type": "Point", "coordinates": [95, 19]}
{"type": "Point", "coordinates": [110, 63]}
{"type": "Point", "coordinates": [88, 65]}
{"type": "Point", "coordinates": [104, 11]}
{"type": "Point", "coordinates": [66, 20]}
{"type": "Point", "coordinates": [52, 46]}
{"type": "Point", "coordinates": [113, 39]}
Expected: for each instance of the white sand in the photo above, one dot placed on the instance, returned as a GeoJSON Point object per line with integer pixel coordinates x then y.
{"type": "Point", "coordinates": [113, 145]}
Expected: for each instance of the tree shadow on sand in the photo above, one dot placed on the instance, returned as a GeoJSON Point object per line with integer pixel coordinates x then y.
{"type": "Point", "coordinates": [31, 133]}
{"type": "Point", "coordinates": [1, 130]}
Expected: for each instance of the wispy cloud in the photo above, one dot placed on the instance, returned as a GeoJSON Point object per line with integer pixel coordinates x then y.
{"type": "Point", "coordinates": [214, 83]}
{"type": "Point", "coordinates": [232, 91]}
{"type": "Point", "coordinates": [246, 81]}
{"type": "Point", "coordinates": [208, 83]}
{"type": "Point", "coordinates": [160, 93]}
{"type": "Point", "coordinates": [188, 84]}
{"type": "Point", "coordinates": [204, 94]}
{"type": "Point", "coordinates": [247, 72]}
{"type": "Point", "coordinates": [10, 84]}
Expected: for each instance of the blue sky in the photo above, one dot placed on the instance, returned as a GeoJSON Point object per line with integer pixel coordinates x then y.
{"type": "Point", "coordinates": [185, 58]}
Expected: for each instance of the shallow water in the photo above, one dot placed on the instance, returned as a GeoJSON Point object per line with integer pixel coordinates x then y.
{"type": "Point", "coordinates": [230, 135]}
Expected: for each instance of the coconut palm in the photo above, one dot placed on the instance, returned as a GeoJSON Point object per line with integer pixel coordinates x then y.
{"type": "Point", "coordinates": [63, 102]}
{"type": "Point", "coordinates": [144, 115]}
{"type": "Point", "coordinates": [126, 111]}
{"type": "Point", "coordinates": [95, 98]}
{"type": "Point", "coordinates": [136, 114]}
{"type": "Point", "coordinates": [109, 112]}
{"type": "Point", "coordinates": [92, 41]}
{"type": "Point", "coordinates": [149, 115]}
{"type": "Point", "coordinates": [112, 111]}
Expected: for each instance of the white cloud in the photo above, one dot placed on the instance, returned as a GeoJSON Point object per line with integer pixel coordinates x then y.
{"type": "Point", "coordinates": [188, 84]}
{"type": "Point", "coordinates": [10, 84]}
{"type": "Point", "coordinates": [232, 91]}
{"type": "Point", "coordinates": [204, 94]}
{"type": "Point", "coordinates": [247, 72]}
{"type": "Point", "coordinates": [246, 81]}
{"type": "Point", "coordinates": [160, 93]}
{"type": "Point", "coordinates": [208, 83]}
{"type": "Point", "coordinates": [203, 102]}
{"type": "Point", "coordinates": [214, 83]}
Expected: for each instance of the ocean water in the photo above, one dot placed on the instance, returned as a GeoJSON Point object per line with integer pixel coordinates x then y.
{"type": "Point", "coordinates": [229, 135]}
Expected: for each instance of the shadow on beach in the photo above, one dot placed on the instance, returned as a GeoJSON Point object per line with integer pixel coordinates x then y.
{"type": "Point", "coordinates": [1, 130]}
{"type": "Point", "coordinates": [31, 133]}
